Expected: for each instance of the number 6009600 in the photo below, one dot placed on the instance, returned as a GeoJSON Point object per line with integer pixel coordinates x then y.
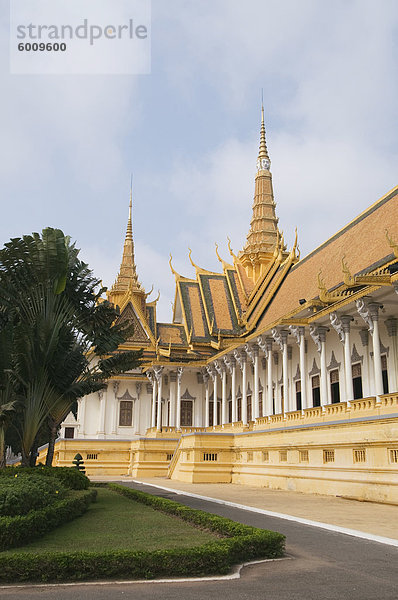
{"type": "Point", "coordinates": [42, 47]}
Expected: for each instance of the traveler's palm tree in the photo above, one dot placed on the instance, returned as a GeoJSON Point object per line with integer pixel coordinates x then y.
{"type": "Point", "coordinates": [64, 339]}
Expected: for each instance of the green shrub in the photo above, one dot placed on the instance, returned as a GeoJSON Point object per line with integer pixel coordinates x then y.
{"type": "Point", "coordinates": [15, 531]}
{"type": "Point", "coordinates": [69, 476]}
{"type": "Point", "coordinates": [19, 495]}
{"type": "Point", "coordinates": [240, 544]}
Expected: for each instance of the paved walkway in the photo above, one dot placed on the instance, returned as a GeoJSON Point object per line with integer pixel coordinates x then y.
{"type": "Point", "coordinates": [368, 517]}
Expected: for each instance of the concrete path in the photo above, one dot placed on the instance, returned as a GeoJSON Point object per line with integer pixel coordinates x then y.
{"type": "Point", "coordinates": [368, 517]}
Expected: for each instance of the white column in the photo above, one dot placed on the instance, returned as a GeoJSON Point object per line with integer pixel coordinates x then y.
{"type": "Point", "coordinates": [244, 390]}
{"type": "Point", "coordinates": [270, 390]}
{"type": "Point", "coordinates": [152, 380]}
{"type": "Point", "coordinates": [286, 403]}
{"type": "Point", "coordinates": [81, 416]}
{"type": "Point", "coordinates": [374, 312]}
{"type": "Point", "coordinates": [180, 371]}
{"type": "Point", "coordinates": [136, 407]}
{"type": "Point", "coordinates": [233, 391]}
{"type": "Point", "coordinates": [324, 374]}
{"type": "Point", "coordinates": [256, 386]}
{"type": "Point", "coordinates": [207, 399]}
{"type": "Point", "coordinates": [349, 386]}
{"type": "Point", "coordinates": [115, 407]}
{"type": "Point", "coordinates": [158, 375]}
{"type": "Point", "coordinates": [215, 399]}
{"type": "Point", "coordinates": [366, 387]}
{"type": "Point", "coordinates": [101, 419]}
{"type": "Point", "coordinates": [224, 416]}
{"type": "Point", "coordinates": [300, 339]}
{"type": "Point", "coordinates": [154, 396]}
{"type": "Point", "coordinates": [173, 394]}
{"type": "Point", "coordinates": [392, 330]}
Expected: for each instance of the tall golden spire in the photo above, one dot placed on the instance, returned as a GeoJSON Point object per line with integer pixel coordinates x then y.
{"type": "Point", "coordinates": [263, 233]}
{"type": "Point", "coordinates": [127, 279]}
{"type": "Point", "coordinates": [263, 161]}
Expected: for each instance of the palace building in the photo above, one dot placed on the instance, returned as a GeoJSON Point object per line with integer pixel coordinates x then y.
{"type": "Point", "coordinates": [276, 371]}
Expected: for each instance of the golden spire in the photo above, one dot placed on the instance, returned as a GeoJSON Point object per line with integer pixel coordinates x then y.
{"type": "Point", "coordinates": [127, 278]}
{"type": "Point", "coordinates": [129, 232]}
{"type": "Point", "coordinates": [263, 235]}
{"type": "Point", "coordinates": [263, 161]}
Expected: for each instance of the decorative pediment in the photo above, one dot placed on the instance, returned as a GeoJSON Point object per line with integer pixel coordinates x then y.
{"type": "Point", "coordinates": [187, 396]}
{"type": "Point", "coordinates": [355, 356]}
{"type": "Point", "coordinates": [297, 376]}
{"type": "Point", "coordinates": [139, 334]}
{"type": "Point", "coordinates": [315, 370]}
{"type": "Point", "coordinates": [333, 362]}
{"type": "Point", "coordinates": [126, 396]}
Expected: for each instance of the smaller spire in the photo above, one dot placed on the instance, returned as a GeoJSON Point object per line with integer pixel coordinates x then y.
{"type": "Point", "coordinates": [127, 278]}
{"type": "Point", "coordinates": [129, 232]}
{"type": "Point", "coordinates": [263, 160]}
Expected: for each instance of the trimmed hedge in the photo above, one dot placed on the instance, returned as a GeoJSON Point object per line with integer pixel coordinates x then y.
{"type": "Point", "coordinates": [15, 531]}
{"type": "Point", "coordinates": [241, 543]}
{"type": "Point", "coordinates": [19, 495]}
{"type": "Point", "coordinates": [70, 477]}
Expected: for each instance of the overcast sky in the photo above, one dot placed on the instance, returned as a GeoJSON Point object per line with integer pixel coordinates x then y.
{"type": "Point", "coordinates": [189, 133]}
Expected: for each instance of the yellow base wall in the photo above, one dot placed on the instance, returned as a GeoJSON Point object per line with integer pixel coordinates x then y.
{"type": "Point", "coordinates": [338, 451]}
{"type": "Point", "coordinates": [346, 455]}
{"type": "Point", "coordinates": [138, 458]}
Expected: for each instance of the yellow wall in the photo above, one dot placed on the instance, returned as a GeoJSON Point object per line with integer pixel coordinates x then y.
{"type": "Point", "coordinates": [277, 453]}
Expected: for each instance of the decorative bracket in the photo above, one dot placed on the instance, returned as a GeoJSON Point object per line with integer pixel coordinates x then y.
{"type": "Point", "coordinates": [158, 373]}
{"type": "Point", "coordinates": [240, 358]}
{"type": "Point", "coordinates": [277, 337]}
{"type": "Point", "coordinates": [337, 325]}
{"type": "Point", "coordinates": [364, 312]}
{"type": "Point", "coordinates": [263, 344]}
{"type": "Point", "coordinates": [314, 333]}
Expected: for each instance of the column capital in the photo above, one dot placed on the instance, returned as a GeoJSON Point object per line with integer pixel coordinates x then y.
{"type": "Point", "coordinates": [364, 312]}
{"type": "Point", "coordinates": [100, 394]}
{"type": "Point", "coordinates": [211, 372]}
{"type": "Point", "coordinates": [151, 376]}
{"type": "Point", "coordinates": [180, 371]}
{"type": "Point", "coordinates": [322, 331]}
{"type": "Point", "coordinates": [138, 388]}
{"type": "Point", "coordinates": [318, 334]}
{"type": "Point", "coordinates": [230, 363]}
{"type": "Point", "coordinates": [115, 386]}
{"type": "Point", "coordinates": [297, 331]}
{"type": "Point", "coordinates": [158, 372]}
{"type": "Point", "coordinates": [261, 341]}
{"type": "Point", "coordinates": [276, 334]}
{"type": "Point", "coordinates": [205, 375]}
{"type": "Point", "coordinates": [374, 310]}
{"type": "Point", "coordinates": [240, 357]}
{"type": "Point", "coordinates": [219, 367]}
{"type": "Point", "coordinates": [251, 351]}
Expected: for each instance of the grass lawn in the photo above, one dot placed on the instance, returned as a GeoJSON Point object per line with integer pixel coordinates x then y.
{"type": "Point", "coordinates": [117, 523]}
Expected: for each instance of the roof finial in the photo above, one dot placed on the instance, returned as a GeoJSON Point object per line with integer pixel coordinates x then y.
{"type": "Point", "coordinates": [129, 233]}
{"type": "Point", "coordinates": [263, 161]}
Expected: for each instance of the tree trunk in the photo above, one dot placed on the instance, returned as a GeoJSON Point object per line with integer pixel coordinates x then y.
{"type": "Point", "coordinates": [51, 444]}
{"type": "Point", "coordinates": [24, 458]}
{"type": "Point", "coordinates": [2, 448]}
{"type": "Point", "coordinates": [33, 454]}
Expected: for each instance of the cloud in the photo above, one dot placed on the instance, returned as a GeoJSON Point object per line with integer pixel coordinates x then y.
{"type": "Point", "coordinates": [190, 133]}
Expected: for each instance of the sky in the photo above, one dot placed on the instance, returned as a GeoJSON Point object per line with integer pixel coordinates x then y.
{"type": "Point", "coordinates": [189, 133]}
